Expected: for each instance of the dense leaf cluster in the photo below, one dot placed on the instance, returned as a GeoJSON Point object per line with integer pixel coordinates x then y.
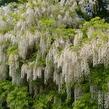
{"type": "Point", "coordinates": [3, 2]}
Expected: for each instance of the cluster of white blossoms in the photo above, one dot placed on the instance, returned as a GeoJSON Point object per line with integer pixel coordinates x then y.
{"type": "Point", "coordinates": [14, 71]}
{"type": "Point", "coordinates": [64, 59]}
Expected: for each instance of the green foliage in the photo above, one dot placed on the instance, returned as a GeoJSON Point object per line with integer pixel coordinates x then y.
{"type": "Point", "coordinates": [15, 17]}
{"type": "Point", "coordinates": [13, 97]}
{"type": "Point", "coordinates": [47, 22]}
{"type": "Point", "coordinates": [3, 2]}
{"type": "Point", "coordinates": [52, 100]}
{"type": "Point", "coordinates": [101, 8]}
{"type": "Point", "coordinates": [22, 1]}
{"type": "Point", "coordinates": [100, 77]}
{"type": "Point", "coordinates": [96, 28]}
{"type": "Point", "coordinates": [40, 60]}
{"type": "Point", "coordinates": [13, 49]}
{"type": "Point", "coordinates": [85, 102]}
{"type": "Point", "coordinates": [18, 98]}
{"type": "Point", "coordinates": [5, 88]}
{"type": "Point", "coordinates": [65, 33]}
{"type": "Point", "coordinates": [97, 23]}
{"type": "Point", "coordinates": [44, 101]}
